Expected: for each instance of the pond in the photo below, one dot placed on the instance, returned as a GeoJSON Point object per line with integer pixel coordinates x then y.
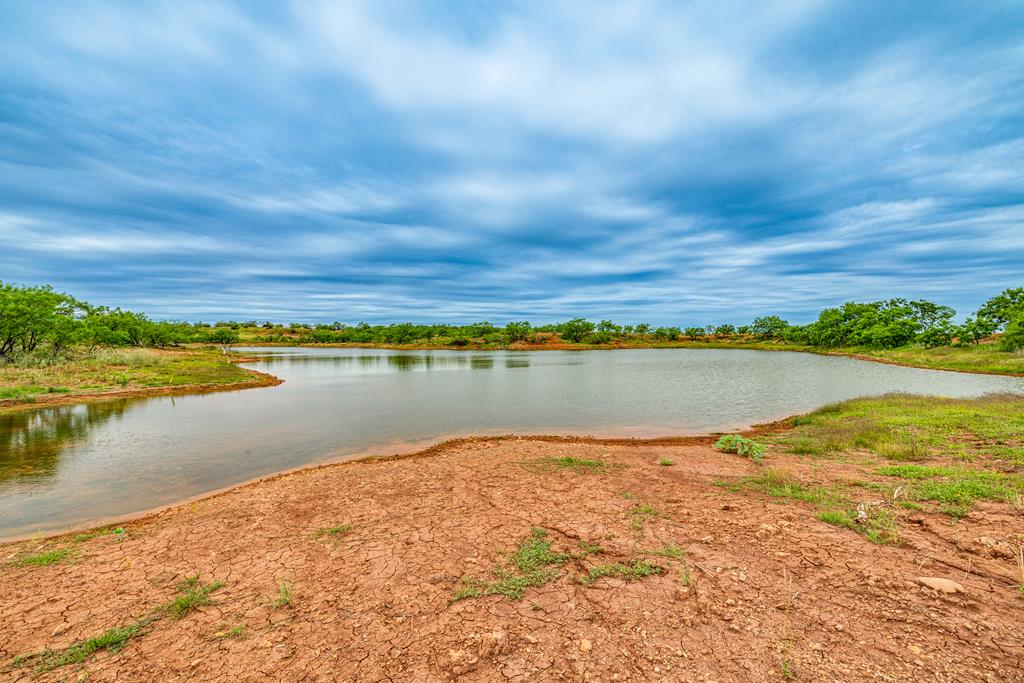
{"type": "Point", "coordinates": [73, 465]}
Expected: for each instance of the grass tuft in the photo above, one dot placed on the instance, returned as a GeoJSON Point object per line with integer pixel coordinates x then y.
{"type": "Point", "coordinates": [43, 559]}
{"type": "Point", "coordinates": [572, 464]}
{"type": "Point", "coordinates": [637, 569]}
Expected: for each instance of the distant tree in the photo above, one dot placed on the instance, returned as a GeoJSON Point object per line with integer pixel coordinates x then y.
{"type": "Point", "coordinates": [517, 331]}
{"type": "Point", "coordinates": [974, 329]}
{"type": "Point", "coordinates": [725, 330]}
{"type": "Point", "coordinates": [695, 332]}
{"type": "Point", "coordinates": [642, 329]}
{"type": "Point", "coordinates": [223, 335]}
{"type": "Point", "coordinates": [768, 327]}
{"type": "Point", "coordinates": [608, 327]}
{"type": "Point", "coordinates": [575, 330]}
{"type": "Point", "coordinates": [1003, 307]}
{"type": "Point", "coordinates": [1013, 334]}
{"type": "Point", "coordinates": [667, 333]}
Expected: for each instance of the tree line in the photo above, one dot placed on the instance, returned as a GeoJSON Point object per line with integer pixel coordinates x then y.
{"type": "Point", "coordinates": [40, 320]}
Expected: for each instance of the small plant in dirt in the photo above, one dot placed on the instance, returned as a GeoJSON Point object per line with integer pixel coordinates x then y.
{"type": "Point", "coordinates": [43, 559]}
{"type": "Point", "coordinates": [734, 443]}
{"type": "Point", "coordinates": [572, 464]}
{"type": "Point", "coordinates": [284, 596]}
{"type": "Point", "coordinates": [955, 489]}
{"type": "Point", "coordinates": [633, 571]}
{"type": "Point", "coordinates": [787, 670]}
{"type": "Point", "coordinates": [670, 550]}
{"type": "Point", "coordinates": [336, 530]}
{"type": "Point", "coordinates": [666, 462]}
{"type": "Point", "coordinates": [192, 594]}
{"type": "Point", "coordinates": [685, 575]}
{"type": "Point", "coordinates": [587, 548]}
{"type": "Point", "coordinates": [532, 564]}
{"type": "Point", "coordinates": [878, 525]}
{"type": "Point", "coordinates": [237, 631]}
{"type": "Point", "coordinates": [640, 514]}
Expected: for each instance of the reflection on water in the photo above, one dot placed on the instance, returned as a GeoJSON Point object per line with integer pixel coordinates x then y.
{"type": "Point", "coordinates": [31, 442]}
{"type": "Point", "coordinates": [69, 465]}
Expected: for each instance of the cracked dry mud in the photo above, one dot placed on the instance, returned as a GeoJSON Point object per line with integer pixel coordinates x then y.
{"type": "Point", "coordinates": [772, 592]}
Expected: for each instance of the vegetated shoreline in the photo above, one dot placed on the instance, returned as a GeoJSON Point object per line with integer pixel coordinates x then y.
{"type": "Point", "coordinates": [562, 346]}
{"type": "Point", "coordinates": [650, 560]}
{"type": "Point", "coordinates": [256, 380]}
{"type": "Point", "coordinates": [416, 450]}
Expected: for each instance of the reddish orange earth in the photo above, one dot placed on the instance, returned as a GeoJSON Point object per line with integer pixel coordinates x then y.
{"type": "Point", "coordinates": [739, 586]}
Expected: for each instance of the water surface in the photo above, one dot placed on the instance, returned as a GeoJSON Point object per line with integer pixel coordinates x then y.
{"type": "Point", "coordinates": [71, 465]}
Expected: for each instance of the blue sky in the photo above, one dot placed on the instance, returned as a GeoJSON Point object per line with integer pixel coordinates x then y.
{"type": "Point", "coordinates": [682, 163]}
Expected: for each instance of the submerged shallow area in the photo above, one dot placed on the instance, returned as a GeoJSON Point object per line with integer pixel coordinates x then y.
{"type": "Point", "coordinates": [72, 465]}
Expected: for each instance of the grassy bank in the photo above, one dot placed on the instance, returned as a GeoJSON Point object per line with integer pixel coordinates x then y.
{"type": "Point", "coordinates": [913, 454]}
{"type": "Point", "coordinates": [119, 371]}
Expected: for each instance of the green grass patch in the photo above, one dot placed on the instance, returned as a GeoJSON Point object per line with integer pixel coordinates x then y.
{"type": "Point", "coordinates": [571, 464]}
{"type": "Point", "coordinates": [914, 428]}
{"type": "Point", "coordinates": [43, 559]}
{"type": "Point", "coordinates": [633, 571]}
{"type": "Point", "coordinates": [532, 564]}
{"type": "Point", "coordinates": [878, 527]}
{"type": "Point", "coordinates": [666, 462]}
{"type": "Point", "coordinates": [284, 596]}
{"type": "Point", "coordinates": [641, 514]}
{"type": "Point", "coordinates": [671, 551]}
{"type": "Point", "coordinates": [955, 489]}
{"type": "Point", "coordinates": [192, 594]}
{"type": "Point", "coordinates": [336, 530]}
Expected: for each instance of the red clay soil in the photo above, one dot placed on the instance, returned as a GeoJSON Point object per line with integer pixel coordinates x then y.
{"type": "Point", "coordinates": [772, 593]}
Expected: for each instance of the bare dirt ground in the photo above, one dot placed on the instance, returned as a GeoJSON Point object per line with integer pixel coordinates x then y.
{"type": "Point", "coordinates": [740, 588]}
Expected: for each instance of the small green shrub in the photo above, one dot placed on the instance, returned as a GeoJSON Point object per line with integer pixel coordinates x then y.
{"type": "Point", "coordinates": [734, 443]}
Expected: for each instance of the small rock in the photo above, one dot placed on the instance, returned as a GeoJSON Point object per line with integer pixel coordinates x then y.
{"type": "Point", "coordinates": [941, 585]}
{"type": "Point", "coordinates": [839, 627]}
{"type": "Point", "coordinates": [914, 649]}
{"type": "Point", "coordinates": [585, 645]}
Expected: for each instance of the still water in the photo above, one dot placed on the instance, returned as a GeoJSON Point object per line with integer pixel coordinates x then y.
{"type": "Point", "coordinates": [71, 465]}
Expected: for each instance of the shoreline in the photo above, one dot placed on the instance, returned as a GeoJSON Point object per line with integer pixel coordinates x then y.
{"type": "Point", "coordinates": [416, 450]}
{"type": "Point", "coordinates": [258, 380]}
{"type": "Point", "coordinates": [561, 346]}
{"type": "Point", "coordinates": [656, 561]}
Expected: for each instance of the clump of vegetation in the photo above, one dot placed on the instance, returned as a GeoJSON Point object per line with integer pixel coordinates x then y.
{"type": "Point", "coordinates": [284, 596]}
{"type": "Point", "coordinates": [43, 559]}
{"type": "Point", "coordinates": [787, 670]}
{"type": "Point", "coordinates": [672, 551]}
{"type": "Point", "coordinates": [635, 570]}
{"type": "Point", "coordinates": [237, 631]}
{"type": "Point", "coordinates": [666, 462]}
{"type": "Point", "coordinates": [912, 428]}
{"type": "Point", "coordinates": [734, 443]}
{"type": "Point", "coordinates": [572, 464]}
{"type": "Point", "coordinates": [531, 565]}
{"type": "Point", "coordinates": [877, 524]}
{"type": "Point", "coordinates": [955, 489]}
{"type": "Point", "coordinates": [640, 514]}
{"type": "Point", "coordinates": [192, 594]}
{"type": "Point", "coordinates": [336, 530]}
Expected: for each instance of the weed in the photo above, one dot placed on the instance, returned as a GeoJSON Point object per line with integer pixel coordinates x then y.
{"type": "Point", "coordinates": [233, 632]}
{"type": "Point", "coordinates": [685, 576]}
{"type": "Point", "coordinates": [42, 559]}
{"type": "Point", "coordinates": [589, 548]}
{"type": "Point", "coordinates": [531, 565]}
{"type": "Point", "coordinates": [193, 594]}
{"type": "Point", "coordinates": [666, 462]}
{"type": "Point", "coordinates": [787, 670]}
{"type": "Point", "coordinates": [628, 496]}
{"type": "Point", "coordinates": [284, 596]}
{"type": "Point", "coordinates": [878, 526]}
{"type": "Point", "coordinates": [638, 569]}
{"type": "Point", "coordinates": [640, 514]}
{"type": "Point", "coordinates": [568, 462]}
{"type": "Point", "coordinates": [734, 443]}
{"type": "Point", "coordinates": [670, 550]}
{"type": "Point", "coordinates": [336, 530]}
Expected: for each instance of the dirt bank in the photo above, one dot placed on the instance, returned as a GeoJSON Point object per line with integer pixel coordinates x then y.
{"type": "Point", "coordinates": [639, 571]}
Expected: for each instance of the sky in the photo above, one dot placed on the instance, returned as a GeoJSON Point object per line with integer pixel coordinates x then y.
{"type": "Point", "coordinates": [665, 162]}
